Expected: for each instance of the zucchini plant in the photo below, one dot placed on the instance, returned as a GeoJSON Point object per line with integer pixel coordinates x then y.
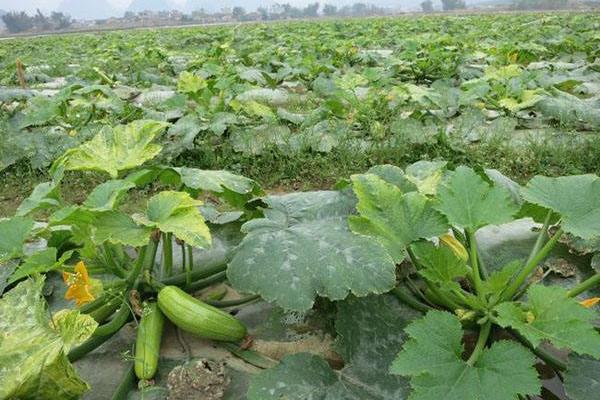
{"type": "Point", "coordinates": [477, 330]}
{"type": "Point", "coordinates": [122, 259]}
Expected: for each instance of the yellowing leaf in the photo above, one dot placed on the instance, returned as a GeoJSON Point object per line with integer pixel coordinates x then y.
{"type": "Point", "coordinates": [190, 83]}
{"type": "Point", "coordinates": [114, 149]}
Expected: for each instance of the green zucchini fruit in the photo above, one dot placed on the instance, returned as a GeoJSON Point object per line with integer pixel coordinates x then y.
{"type": "Point", "coordinates": [147, 344]}
{"type": "Point", "coordinates": [198, 318]}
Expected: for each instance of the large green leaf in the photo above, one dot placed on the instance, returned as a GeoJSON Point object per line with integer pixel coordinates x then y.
{"type": "Point", "coordinates": [6, 270]}
{"type": "Point", "coordinates": [440, 265]}
{"type": "Point", "coordinates": [303, 248]}
{"type": "Point", "coordinates": [369, 332]}
{"type": "Point", "coordinates": [107, 195]}
{"type": "Point", "coordinates": [256, 140]}
{"type": "Point", "coordinates": [433, 359]}
{"type": "Point", "coordinates": [177, 213]}
{"type": "Point", "coordinates": [216, 181]}
{"type": "Point", "coordinates": [115, 149]}
{"type": "Point", "coordinates": [33, 351]}
{"type": "Point", "coordinates": [392, 218]}
{"type": "Point", "coordinates": [575, 198]}
{"type": "Point", "coordinates": [394, 175]}
{"type": "Point", "coordinates": [582, 378]}
{"type": "Point", "coordinates": [426, 175]}
{"type": "Point", "coordinates": [180, 136]}
{"type": "Point", "coordinates": [549, 314]}
{"type": "Point", "coordinates": [37, 263]}
{"type": "Point", "coordinates": [44, 196]}
{"type": "Point", "coordinates": [13, 233]}
{"type": "Point", "coordinates": [116, 227]}
{"type": "Point", "coordinates": [470, 202]}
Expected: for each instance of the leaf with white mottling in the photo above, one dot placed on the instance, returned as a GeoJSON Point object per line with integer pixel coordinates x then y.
{"type": "Point", "coordinates": [33, 355]}
{"type": "Point", "coordinates": [370, 330]}
{"type": "Point", "coordinates": [304, 248]}
{"type": "Point", "coordinates": [216, 181]}
{"type": "Point", "coordinates": [582, 378]}
{"type": "Point", "coordinates": [13, 233]}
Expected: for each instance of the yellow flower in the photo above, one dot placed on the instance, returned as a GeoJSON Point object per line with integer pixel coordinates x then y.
{"type": "Point", "coordinates": [591, 302]}
{"type": "Point", "coordinates": [80, 285]}
{"type": "Point", "coordinates": [454, 245]}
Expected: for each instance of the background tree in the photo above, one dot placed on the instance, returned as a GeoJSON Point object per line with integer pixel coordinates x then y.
{"type": "Point", "coordinates": [329, 10]}
{"type": "Point", "coordinates": [449, 5]}
{"type": "Point", "coordinates": [311, 10]}
{"type": "Point", "coordinates": [41, 22]}
{"type": "Point", "coordinates": [539, 4]}
{"type": "Point", "coordinates": [17, 21]}
{"type": "Point", "coordinates": [427, 6]}
{"type": "Point", "coordinates": [238, 12]}
{"type": "Point", "coordinates": [263, 12]}
{"type": "Point", "coordinates": [60, 20]}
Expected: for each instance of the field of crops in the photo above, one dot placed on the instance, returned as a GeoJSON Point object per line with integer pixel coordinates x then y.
{"type": "Point", "coordinates": [370, 209]}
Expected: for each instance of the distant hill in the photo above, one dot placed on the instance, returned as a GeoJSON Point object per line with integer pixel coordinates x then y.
{"type": "Point", "coordinates": [88, 9]}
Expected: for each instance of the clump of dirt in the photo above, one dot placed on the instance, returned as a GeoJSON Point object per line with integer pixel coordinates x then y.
{"type": "Point", "coordinates": [198, 380]}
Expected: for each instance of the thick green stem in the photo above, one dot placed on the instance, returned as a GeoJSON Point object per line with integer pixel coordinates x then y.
{"type": "Point", "coordinates": [444, 299]}
{"type": "Point", "coordinates": [203, 283]}
{"type": "Point", "coordinates": [474, 260]}
{"type": "Point", "coordinates": [531, 265]}
{"type": "Point", "coordinates": [155, 284]}
{"type": "Point", "coordinates": [112, 264]}
{"type": "Point", "coordinates": [184, 264]}
{"type": "Point", "coordinates": [585, 285]}
{"type": "Point", "coordinates": [150, 258]}
{"type": "Point", "coordinates": [250, 356]}
{"type": "Point", "coordinates": [116, 323]}
{"type": "Point", "coordinates": [540, 239]}
{"type": "Point", "coordinates": [113, 284]}
{"type": "Point", "coordinates": [102, 313]}
{"type": "Point", "coordinates": [101, 334]}
{"type": "Point", "coordinates": [127, 383]}
{"type": "Point", "coordinates": [167, 249]}
{"type": "Point", "coordinates": [232, 303]}
{"type": "Point", "coordinates": [410, 300]}
{"type": "Point", "coordinates": [179, 279]}
{"type": "Point", "coordinates": [94, 305]}
{"type": "Point", "coordinates": [190, 264]}
{"type": "Point", "coordinates": [481, 341]}
{"type": "Point", "coordinates": [89, 345]}
{"type": "Point", "coordinates": [137, 267]}
{"type": "Point", "coordinates": [418, 292]}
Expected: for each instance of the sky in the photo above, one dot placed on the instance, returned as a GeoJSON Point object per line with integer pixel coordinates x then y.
{"type": "Point", "coordinates": [119, 6]}
{"type": "Point", "coordinates": [49, 5]}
